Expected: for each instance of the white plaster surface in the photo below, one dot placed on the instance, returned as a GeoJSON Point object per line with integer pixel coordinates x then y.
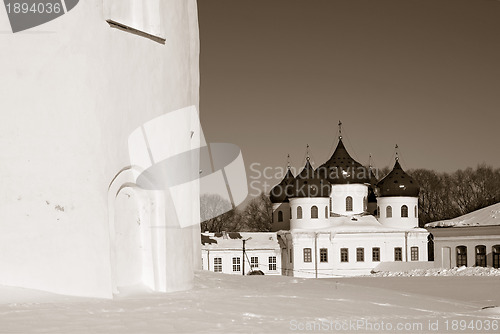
{"type": "Point", "coordinates": [72, 91]}
{"type": "Point", "coordinates": [341, 191]}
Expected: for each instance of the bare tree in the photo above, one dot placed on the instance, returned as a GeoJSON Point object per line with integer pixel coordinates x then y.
{"type": "Point", "coordinates": [257, 215]}
{"type": "Point", "coordinates": [215, 213]}
{"type": "Point", "coordinates": [445, 196]}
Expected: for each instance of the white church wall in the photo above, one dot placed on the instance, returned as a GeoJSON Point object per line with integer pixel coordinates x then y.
{"type": "Point", "coordinates": [396, 203]}
{"type": "Point", "coordinates": [306, 204]}
{"type": "Point", "coordinates": [340, 192]}
{"type": "Point", "coordinates": [334, 242]}
{"type": "Point", "coordinates": [417, 239]}
{"type": "Point", "coordinates": [73, 90]}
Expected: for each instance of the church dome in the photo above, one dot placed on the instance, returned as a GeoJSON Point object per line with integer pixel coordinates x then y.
{"type": "Point", "coordinates": [280, 192]}
{"type": "Point", "coordinates": [341, 168]}
{"type": "Point", "coordinates": [398, 183]}
{"type": "Point", "coordinates": [309, 184]}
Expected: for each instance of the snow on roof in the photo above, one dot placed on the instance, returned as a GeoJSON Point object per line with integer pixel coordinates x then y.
{"type": "Point", "coordinates": [487, 216]}
{"type": "Point", "coordinates": [234, 240]}
{"type": "Point", "coordinates": [357, 224]}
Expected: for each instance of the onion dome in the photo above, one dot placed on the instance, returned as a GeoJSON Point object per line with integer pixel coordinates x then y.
{"type": "Point", "coordinates": [309, 184]}
{"type": "Point", "coordinates": [398, 183]}
{"type": "Point", "coordinates": [341, 168]}
{"type": "Point", "coordinates": [280, 192]}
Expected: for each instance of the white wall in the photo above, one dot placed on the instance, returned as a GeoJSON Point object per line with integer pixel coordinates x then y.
{"type": "Point", "coordinates": [72, 90]}
{"type": "Point", "coordinates": [306, 221]}
{"type": "Point", "coordinates": [396, 203]}
{"type": "Point", "coordinates": [341, 191]}
{"type": "Point", "coordinates": [228, 255]}
{"type": "Point", "coordinates": [470, 242]}
{"type": "Point", "coordinates": [333, 242]}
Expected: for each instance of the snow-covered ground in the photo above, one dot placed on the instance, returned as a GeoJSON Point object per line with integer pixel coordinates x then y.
{"type": "Point", "coordinates": [457, 271]}
{"type": "Point", "coordinates": [272, 304]}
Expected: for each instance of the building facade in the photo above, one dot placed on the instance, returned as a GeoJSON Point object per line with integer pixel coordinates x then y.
{"type": "Point", "coordinates": [338, 220]}
{"type": "Point", "coordinates": [469, 240]}
{"type": "Point", "coordinates": [223, 253]}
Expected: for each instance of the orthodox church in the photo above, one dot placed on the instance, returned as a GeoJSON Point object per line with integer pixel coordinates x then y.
{"type": "Point", "coordinates": [339, 220]}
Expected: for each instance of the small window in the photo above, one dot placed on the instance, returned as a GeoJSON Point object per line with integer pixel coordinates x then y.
{"type": "Point", "coordinates": [254, 262]}
{"type": "Point", "coordinates": [481, 256]}
{"type": "Point", "coordinates": [378, 212]}
{"type": "Point", "coordinates": [398, 254]}
{"type": "Point", "coordinates": [280, 216]}
{"type": "Point", "coordinates": [416, 212]}
{"type": "Point", "coordinates": [404, 211]}
{"type": "Point", "coordinates": [307, 255]}
{"type": "Point", "coordinates": [388, 212]}
{"type": "Point", "coordinates": [360, 254]}
{"type": "Point", "coordinates": [314, 211]}
{"type": "Point", "coordinates": [236, 264]}
{"type": "Point", "coordinates": [326, 211]}
{"type": "Point", "coordinates": [365, 204]}
{"type": "Point", "coordinates": [344, 255]}
{"type": "Point", "coordinates": [330, 204]}
{"type": "Point", "coordinates": [218, 264]}
{"type": "Point", "coordinates": [414, 253]}
{"type": "Point", "coordinates": [291, 254]}
{"type": "Point", "coordinates": [496, 256]}
{"type": "Point", "coordinates": [323, 255]}
{"type": "Point", "coordinates": [376, 254]}
{"type": "Point", "coordinates": [461, 256]}
{"type": "Point", "coordinates": [348, 203]}
{"type": "Point", "coordinates": [272, 263]}
{"type": "Point", "coordinates": [299, 212]}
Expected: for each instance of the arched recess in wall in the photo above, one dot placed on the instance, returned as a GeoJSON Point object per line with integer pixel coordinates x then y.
{"type": "Point", "coordinates": [131, 214]}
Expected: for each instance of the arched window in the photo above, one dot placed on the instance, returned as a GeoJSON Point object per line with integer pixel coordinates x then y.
{"type": "Point", "coordinates": [299, 212]}
{"type": "Point", "coordinates": [388, 211]}
{"type": "Point", "coordinates": [365, 203]}
{"type": "Point", "coordinates": [461, 256]}
{"type": "Point", "coordinates": [416, 212]}
{"type": "Point", "coordinates": [496, 256]}
{"type": "Point", "coordinates": [314, 211]}
{"type": "Point", "coordinates": [348, 203]}
{"type": "Point", "coordinates": [480, 256]}
{"type": "Point", "coordinates": [378, 212]}
{"type": "Point", "coordinates": [330, 204]}
{"type": "Point", "coordinates": [404, 211]}
{"type": "Point", "coordinates": [280, 216]}
{"type": "Point", "coordinates": [430, 247]}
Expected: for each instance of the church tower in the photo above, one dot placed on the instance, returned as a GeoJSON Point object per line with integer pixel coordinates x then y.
{"type": "Point", "coordinates": [309, 200]}
{"type": "Point", "coordinates": [398, 199]}
{"type": "Point", "coordinates": [350, 181]}
{"type": "Point", "coordinates": [279, 197]}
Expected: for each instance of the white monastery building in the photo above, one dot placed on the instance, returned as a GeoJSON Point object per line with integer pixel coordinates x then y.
{"type": "Point", "coordinates": [223, 252]}
{"type": "Point", "coordinates": [469, 240]}
{"type": "Point", "coordinates": [338, 220]}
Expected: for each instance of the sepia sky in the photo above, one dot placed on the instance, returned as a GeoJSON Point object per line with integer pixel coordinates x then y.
{"type": "Point", "coordinates": [279, 74]}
